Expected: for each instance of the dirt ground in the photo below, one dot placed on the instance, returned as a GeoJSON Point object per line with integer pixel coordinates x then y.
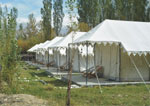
{"type": "Point", "coordinates": [21, 100]}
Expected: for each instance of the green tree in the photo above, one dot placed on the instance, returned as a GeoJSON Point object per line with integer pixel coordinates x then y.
{"type": "Point", "coordinates": [46, 16]}
{"type": "Point", "coordinates": [135, 10]}
{"type": "Point", "coordinates": [9, 48]}
{"type": "Point", "coordinates": [106, 10]}
{"type": "Point", "coordinates": [31, 29]}
{"type": "Point", "coordinates": [89, 12]}
{"type": "Point", "coordinates": [20, 32]}
{"type": "Point", "coordinates": [58, 15]}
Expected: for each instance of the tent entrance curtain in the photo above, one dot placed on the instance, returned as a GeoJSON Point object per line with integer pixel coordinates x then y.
{"type": "Point", "coordinates": [107, 56]}
{"type": "Point", "coordinates": [148, 64]}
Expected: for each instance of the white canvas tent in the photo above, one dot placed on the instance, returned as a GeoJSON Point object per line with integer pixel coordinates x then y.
{"type": "Point", "coordinates": [80, 55]}
{"type": "Point", "coordinates": [60, 48]}
{"type": "Point", "coordinates": [33, 48]}
{"type": "Point", "coordinates": [122, 48]}
{"type": "Point", "coordinates": [39, 54]}
{"type": "Point", "coordinates": [49, 56]}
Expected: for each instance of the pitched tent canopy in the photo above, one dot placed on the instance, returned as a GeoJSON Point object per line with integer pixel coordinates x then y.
{"type": "Point", "coordinates": [53, 41]}
{"type": "Point", "coordinates": [70, 38]}
{"type": "Point", "coordinates": [44, 44]}
{"type": "Point", "coordinates": [33, 48]}
{"type": "Point", "coordinates": [134, 36]}
{"type": "Point", "coordinates": [63, 43]}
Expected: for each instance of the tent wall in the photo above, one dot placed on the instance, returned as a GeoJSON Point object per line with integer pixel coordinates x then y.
{"type": "Point", "coordinates": [75, 60]}
{"type": "Point", "coordinates": [128, 71]}
{"type": "Point", "coordinates": [46, 57]}
{"type": "Point", "coordinates": [55, 54]}
{"type": "Point", "coordinates": [59, 59]}
{"type": "Point", "coordinates": [62, 60]}
{"type": "Point", "coordinates": [36, 56]}
{"type": "Point", "coordinates": [108, 57]}
{"type": "Point", "coordinates": [82, 63]}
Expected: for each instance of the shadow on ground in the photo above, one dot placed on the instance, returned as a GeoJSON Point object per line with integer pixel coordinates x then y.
{"type": "Point", "coordinates": [40, 74]}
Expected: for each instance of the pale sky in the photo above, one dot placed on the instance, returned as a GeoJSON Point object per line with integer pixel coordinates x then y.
{"type": "Point", "coordinates": [26, 7]}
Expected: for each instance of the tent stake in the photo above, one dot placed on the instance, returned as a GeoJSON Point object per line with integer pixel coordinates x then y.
{"type": "Point", "coordinates": [139, 73]}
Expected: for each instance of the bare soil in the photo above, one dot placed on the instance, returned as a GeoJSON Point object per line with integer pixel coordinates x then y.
{"type": "Point", "coordinates": [21, 100]}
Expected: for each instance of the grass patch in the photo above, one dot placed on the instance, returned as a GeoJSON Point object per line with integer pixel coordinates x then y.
{"type": "Point", "coordinates": [124, 95]}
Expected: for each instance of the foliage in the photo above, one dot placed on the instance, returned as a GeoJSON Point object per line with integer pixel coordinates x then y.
{"type": "Point", "coordinates": [46, 16]}
{"type": "Point", "coordinates": [58, 15]}
{"type": "Point", "coordinates": [31, 29]}
{"type": "Point", "coordinates": [83, 27]}
{"type": "Point", "coordinates": [8, 45]}
{"type": "Point", "coordinates": [93, 12]}
{"type": "Point", "coordinates": [30, 35]}
{"type": "Point", "coordinates": [89, 12]}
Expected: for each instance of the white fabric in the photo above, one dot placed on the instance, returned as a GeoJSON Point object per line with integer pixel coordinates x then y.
{"type": "Point", "coordinates": [70, 38]}
{"type": "Point", "coordinates": [56, 39]}
{"type": "Point", "coordinates": [108, 57]}
{"type": "Point", "coordinates": [43, 45]}
{"type": "Point", "coordinates": [33, 48]}
{"type": "Point", "coordinates": [37, 48]}
{"type": "Point", "coordinates": [134, 36]}
{"type": "Point", "coordinates": [63, 43]}
{"type": "Point", "coordinates": [83, 50]}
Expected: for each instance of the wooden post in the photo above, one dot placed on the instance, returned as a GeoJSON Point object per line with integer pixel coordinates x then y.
{"type": "Point", "coordinates": [69, 80]}
{"type": "Point", "coordinates": [66, 59]}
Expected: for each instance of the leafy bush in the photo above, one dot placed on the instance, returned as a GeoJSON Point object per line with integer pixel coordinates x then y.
{"type": "Point", "coordinates": [8, 45]}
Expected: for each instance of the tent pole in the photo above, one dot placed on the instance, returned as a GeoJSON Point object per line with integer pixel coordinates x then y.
{"type": "Point", "coordinates": [110, 63]}
{"type": "Point", "coordinates": [139, 73]}
{"type": "Point", "coordinates": [78, 59]}
{"type": "Point", "coordinates": [66, 58]}
{"type": "Point", "coordinates": [95, 68]}
{"type": "Point", "coordinates": [148, 65]}
{"type": "Point", "coordinates": [87, 62]}
{"type": "Point", "coordinates": [119, 61]}
{"type": "Point", "coordinates": [48, 58]}
{"type": "Point", "coordinates": [57, 60]}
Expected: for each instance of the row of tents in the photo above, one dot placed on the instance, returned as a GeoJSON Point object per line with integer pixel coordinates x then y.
{"type": "Point", "coordinates": [122, 48]}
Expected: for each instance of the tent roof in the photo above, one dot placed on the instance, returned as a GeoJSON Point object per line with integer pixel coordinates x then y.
{"type": "Point", "coordinates": [71, 37]}
{"type": "Point", "coordinates": [39, 45]}
{"type": "Point", "coordinates": [33, 48]}
{"type": "Point", "coordinates": [44, 44]}
{"type": "Point", "coordinates": [134, 36]}
{"type": "Point", "coordinates": [56, 39]}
